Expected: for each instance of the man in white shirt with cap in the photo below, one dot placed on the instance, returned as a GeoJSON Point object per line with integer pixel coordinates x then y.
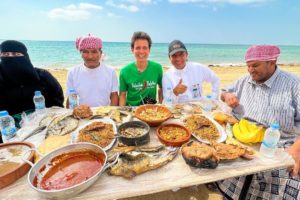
{"type": "Point", "coordinates": [186, 78]}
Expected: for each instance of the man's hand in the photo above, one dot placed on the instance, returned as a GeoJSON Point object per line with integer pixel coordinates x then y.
{"type": "Point", "coordinates": [230, 99]}
{"type": "Point", "coordinates": [294, 151]}
{"type": "Point", "coordinates": [180, 88]}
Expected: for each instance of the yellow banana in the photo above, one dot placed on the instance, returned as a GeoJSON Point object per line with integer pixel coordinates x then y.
{"type": "Point", "coordinates": [252, 127]}
{"type": "Point", "coordinates": [238, 134]}
{"type": "Point", "coordinates": [247, 132]}
{"type": "Point", "coordinates": [261, 132]}
{"type": "Point", "coordinates": [258, 130]}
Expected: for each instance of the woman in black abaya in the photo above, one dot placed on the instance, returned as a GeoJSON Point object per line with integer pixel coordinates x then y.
{"type": "Point", "coordinates": [19, 79]}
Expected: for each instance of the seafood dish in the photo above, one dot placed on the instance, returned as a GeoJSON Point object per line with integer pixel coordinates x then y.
{"type": "Point", "coordinates": [230, 151]}
{"type": "Point", "coordinates": [205, 129]}
{"type": "Point", "coordinates": [103, 110]}
{"type": "Point", "coordinates": [223, 118]}
{"type": "Point", "coordinates": [100, 132]}
{"type": "Point", "coordinates": [200, 155]}
{"type": "Point", "coordinates": [116, 114]}
{"type": "Point", "coordinates": [45, 121]}
{"type": "Point", "coordinates": [120, 116]}
{"type": "Point", "coordinates": [97, 133]}
{"type": "Point", "coordinates": [62, 125]}
{"type": "Point", "coordinates": [208, 156]}
{"type": "Point", "coordinates": [173, 134]}
{"type": "Point", "coordinates": [29, 131]}
{"type": "Point", "coordinates": [134, 133]}
{"type": "Point", "coordinates": [136, 160]}
{"type": "Point", "coordinates": [69, 169]}
{"type": "Point", "coordinates": [12, 165]}
{"type": "Point", "coordinates": [180, 110]}
{"type": "Point", "coordinates": [82, 112]}
{"type": "Point", "coordinates": [153, 115]}
{"type": "Point", "coordinates": [10, 157]}
{"type": "Point", "coordinates": [177, 111]}
{"type": "Point", "coordinates": [202, 127]}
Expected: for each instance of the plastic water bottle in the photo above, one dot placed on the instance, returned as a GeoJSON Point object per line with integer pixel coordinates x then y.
{"type": "Point", "coordinates": [39, 102]}
{"type": "Point", "coordinates": [73, 99]}
{"type": "Point", "coordinates": [208, 104]}
{"type": "Point", "coordinates": [7, 126]}
{"type": "Point", "coordinates": [271, 138]}
{"type": "Point", "coordinates": [168, 97]}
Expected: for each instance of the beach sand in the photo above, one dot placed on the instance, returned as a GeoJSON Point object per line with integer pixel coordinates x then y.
{"type": "Point", "coordinates": [227, 75]}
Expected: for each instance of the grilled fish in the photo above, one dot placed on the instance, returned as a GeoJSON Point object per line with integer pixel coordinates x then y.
{"type": "Point", "coordinates": [135, 160]}
{"type": "Point", "coordinates": [119, 116]}
{"type": "Point", "coordinates": [62, 125]}
{"type": "Point", "coordinates": [45, 121]}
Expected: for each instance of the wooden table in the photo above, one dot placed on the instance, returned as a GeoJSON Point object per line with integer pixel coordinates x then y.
{"type": "Point", "coordinates": [174, 175]}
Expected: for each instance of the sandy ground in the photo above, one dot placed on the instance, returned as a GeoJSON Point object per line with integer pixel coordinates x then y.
{"type": "Point", "coordinates": [227, 75]}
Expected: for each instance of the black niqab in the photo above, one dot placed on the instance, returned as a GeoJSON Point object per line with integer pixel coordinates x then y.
{"type": "Point", "coordinates": [17, 70]}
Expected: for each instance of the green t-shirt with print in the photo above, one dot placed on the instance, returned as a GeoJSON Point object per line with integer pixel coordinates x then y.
{"type": "Point", "coordinates": [139, 85]}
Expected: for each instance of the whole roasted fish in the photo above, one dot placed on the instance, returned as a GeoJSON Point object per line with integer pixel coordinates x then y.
{"type": "Point", "coordinates": [45, 121]}
{"type": "Point", "coordinates": [120, 116]}
{"type": "Point", "coordinates": [62, 125]}
{"type": "Point", "coordinates": [136, 160]}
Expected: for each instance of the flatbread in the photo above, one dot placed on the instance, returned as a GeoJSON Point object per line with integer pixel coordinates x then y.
{"type": "Point", "coordinates": [51, 143]}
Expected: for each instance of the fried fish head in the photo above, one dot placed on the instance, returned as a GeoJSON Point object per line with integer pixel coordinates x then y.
{"type": "Point", "coordinates": [82, 112]}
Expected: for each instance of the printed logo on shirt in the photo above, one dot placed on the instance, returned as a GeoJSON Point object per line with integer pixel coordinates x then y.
{"type": "Point", "coordinates": [137, 86]}
{"type": "Point", "coordinates": [142, 86]}
{"type": "Point", "coordinates": [196, 91]}
{"type": "Point", "coordinates": [151, 84]}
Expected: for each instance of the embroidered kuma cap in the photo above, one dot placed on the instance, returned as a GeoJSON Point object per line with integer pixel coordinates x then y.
{"type": "Point", "coordinates": [262, 53]}
{"type": "Point", "coordinates": [88, 42]}
{"type": "Point", "coordinates": [176, 46]}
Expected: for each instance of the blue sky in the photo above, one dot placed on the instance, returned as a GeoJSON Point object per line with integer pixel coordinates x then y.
{"type": "Point", "coordinates": [193, 21]}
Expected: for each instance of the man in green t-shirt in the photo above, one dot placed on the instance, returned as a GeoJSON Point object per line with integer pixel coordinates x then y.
{"type": "Point", "coordinates": [139, 80]}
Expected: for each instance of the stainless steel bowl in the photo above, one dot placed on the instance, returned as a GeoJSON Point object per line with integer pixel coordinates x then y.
{"type": "Point", "coordinates": [76, 189]}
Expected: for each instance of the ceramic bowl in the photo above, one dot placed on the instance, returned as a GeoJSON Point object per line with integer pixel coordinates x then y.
{"type": "Point", "coordinates": [175, 136]}
{"type": "Point", "coordinates": [153, 114]}
{"type": "Point", "coordinates": [18, 169]}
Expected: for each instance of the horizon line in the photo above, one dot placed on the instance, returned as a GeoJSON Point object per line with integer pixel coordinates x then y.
{"type": "Point", "coordinates": [30, 40]}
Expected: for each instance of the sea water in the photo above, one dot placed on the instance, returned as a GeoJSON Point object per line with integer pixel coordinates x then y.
{"type": "Point", "coordinates": [63, 54]}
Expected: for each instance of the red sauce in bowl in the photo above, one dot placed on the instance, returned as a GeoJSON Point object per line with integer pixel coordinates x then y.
{"type": "Point", "coordinates": [71, 169]}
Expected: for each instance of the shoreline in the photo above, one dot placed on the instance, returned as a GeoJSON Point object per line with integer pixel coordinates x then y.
{"type": "Point", "coordinates": [118, 67]}
{"type": "Point", "coordinates": [244, 65]}
{"type": "Point", "coordinates": [227, 74]}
